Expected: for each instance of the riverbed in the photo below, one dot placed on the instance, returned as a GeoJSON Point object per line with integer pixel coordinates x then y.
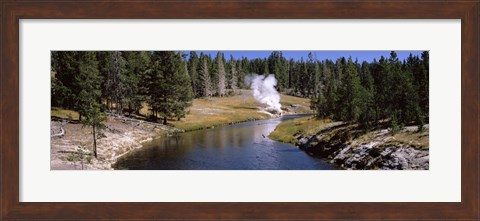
{"type": "Point", "coordinates": [243, 146]}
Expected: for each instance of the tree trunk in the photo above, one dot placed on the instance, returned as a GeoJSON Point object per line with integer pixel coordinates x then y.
{"type": "Point", "coordinates": [94, 142]}
{"type": "Point", "coordinates": [120, 108]}
{"type": "Point", "coordinates": [164, 120]}
{"type": "Point", "coordinates": [79, 117]}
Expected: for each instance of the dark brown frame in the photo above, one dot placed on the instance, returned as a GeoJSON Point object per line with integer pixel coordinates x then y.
{"type": "Point", "coordinates": [12, 11]}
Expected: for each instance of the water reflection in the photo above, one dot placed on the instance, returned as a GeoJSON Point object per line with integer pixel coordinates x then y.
{"type": "Point", "coordinates": [243, 146]}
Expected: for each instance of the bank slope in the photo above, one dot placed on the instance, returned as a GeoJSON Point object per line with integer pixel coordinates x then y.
{"type": "Point", "coordinates": [352, 148]}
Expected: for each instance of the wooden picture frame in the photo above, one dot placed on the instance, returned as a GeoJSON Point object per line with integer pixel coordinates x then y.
{"type": "Point", "coordinates": [12, 11]}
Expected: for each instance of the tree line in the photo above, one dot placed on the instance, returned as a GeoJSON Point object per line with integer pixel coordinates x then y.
{"type": "Point", "coordinates": [387, 89]}
{"type": "Point", "coordinates": [343, 89]}
{"type": "Point", "coordinates": [93, 83]}
{"type": "Point", "coordinates": [346, 90]}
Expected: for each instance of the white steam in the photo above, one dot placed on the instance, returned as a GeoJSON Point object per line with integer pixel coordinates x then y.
{"type": "Point", "coordinates": [264, 91]}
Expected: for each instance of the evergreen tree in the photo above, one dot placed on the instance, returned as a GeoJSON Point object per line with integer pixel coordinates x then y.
{"type": "Point", "coordinates": [205, 84]}
{"type": "Point", "coordinates": [303, 78]}
{"type": "Point", "coordinates": [423, 89]}
{"type": "Point", "coordinates": [367, 106]}
{"type": "Point", "coordinates": [317, 87]}
{"type": "Point", "coordinates": [220, 75]}
{"type": "Point", "coordinates": [88, 104]}
{"type": "Point", "coordinates": [311, 82]}
{"type": "Point", "coordinates": [277, 64]}
{"type": "Point", "coordinates": [292, 76]}
{"type": "Point", "coordinates": [379, 72]}
{"type": "Point", "coordinates": [340, 67]}
{"type": "Point", "coordinates": [193, 66]}
{"type": "Point", "coordinates": [319, 105]}
{"type": "Point", "coordinates": [183, 96]}
{"type": "Point", "coordinates": [331, 100]}
{"type": "Point", "coordinates": [116, 82]}
{"type": "Point", "coordinates": [103, 58]}
{"type": "Point", "coordinates": [137, 63]}
{"type": "Point", "coordinates": [233, 75]}
{"type": "Point", "coordinates": [350, 93]}
{"type": "Point", "coordinates": [168, 95]}
{"type": "Point", "coordinates": [402, 97]}
{"type": "Point", "coordinates": [265, 70]}
{"type": "Point", "coordinates": [64, 68]}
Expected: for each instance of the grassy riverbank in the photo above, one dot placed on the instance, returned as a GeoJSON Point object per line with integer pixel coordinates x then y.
{"type": "Point", "coordinates": [350, 147]}
{"type": "Point", "coordinates": [307, 126]}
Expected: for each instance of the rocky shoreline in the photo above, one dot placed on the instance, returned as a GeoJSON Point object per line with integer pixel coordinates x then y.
{"type": "Point", "coordinates": [349, 148]}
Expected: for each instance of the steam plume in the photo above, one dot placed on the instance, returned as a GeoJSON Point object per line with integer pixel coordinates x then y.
{"type": "Point", "coordinates": [264, 91]}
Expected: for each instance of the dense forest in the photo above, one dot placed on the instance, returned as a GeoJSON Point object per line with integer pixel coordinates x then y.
{"type": "Point", "coordinates": [121, 82]}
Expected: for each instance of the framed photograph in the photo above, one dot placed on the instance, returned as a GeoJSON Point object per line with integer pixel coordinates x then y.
{"type": "Point", "coordinates": [239, 110]}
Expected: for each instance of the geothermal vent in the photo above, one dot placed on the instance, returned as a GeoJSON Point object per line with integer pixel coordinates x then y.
{"type": "Point", "coordinates": [264, 91]}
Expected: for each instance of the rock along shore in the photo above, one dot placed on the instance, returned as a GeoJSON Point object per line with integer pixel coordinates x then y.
{"type": "Point", "coordinates": [349, 148]}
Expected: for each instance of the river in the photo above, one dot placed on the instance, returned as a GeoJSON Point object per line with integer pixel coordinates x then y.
{"type": "Point", "coordinates": [243, 146]}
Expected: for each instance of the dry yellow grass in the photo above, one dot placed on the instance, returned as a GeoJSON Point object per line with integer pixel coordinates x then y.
{"type": "Point", "coordinates": [307, 126]}
{"type": "Point", "coordinates": [303, 103]}
{"type": "Point", "coordinates": [64, 114]}
{"type": "Point", "coordinates": [419, 139]}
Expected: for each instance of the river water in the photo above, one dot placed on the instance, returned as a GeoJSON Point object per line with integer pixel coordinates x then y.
{"type": "Point", "coordinates": [243, 146]}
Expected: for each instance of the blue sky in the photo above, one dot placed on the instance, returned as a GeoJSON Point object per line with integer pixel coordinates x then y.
{"type": "Point", "coordinates": [321, 55]}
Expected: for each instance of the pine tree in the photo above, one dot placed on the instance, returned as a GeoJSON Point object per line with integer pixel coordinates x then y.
{"type": "Point", "coordinates": [423, 90]}
{"type": "Point", "coordinates": [301, 81]}
{"type": "Point", "coordinates": [193, 66]}
{"type": "Point", "coordinates": [367, 108]}
{"type": "Point", "coordinates": [88, 104]}
{"type": "Point", "coordinates": [205, 84]}
{"type": "Point", "coordinates": [379, 72]}
{"type": "Point", "coordinates": [340, 66]}
{"type": "Point", "coordinates": [64, 68]}
{"type": "Point", "coordinates": [292, 76]}
{"type": "Point", "coordinates": [183, 95]}
{"type": "Point", "coordinates": [277, 65]}
{"type": "Point", "coordinates": [115, 81]}
{"type": "Point", "coordinates": [331, 99]}
{"type": "Point", "coordinates": [233, 75]}
{"type": "Point", "coordinates": [310, 79]}
{"type": "Point", "coordinates": [169, 96]}
{"type": "Point", "coordinates": [265, 70]}
{"type": "Point", "coordinates": [319, 105]}
{"type": "Point", "coordinates": [220, 75]}
{"type": "Point", "coordinates": [350, 94]}
{"type": "Point", "coordinates": [317, 87]}
{"type": "Point", "coordinates": [402, 97]}
{"type": "Point", "coordinates": [136, 66]}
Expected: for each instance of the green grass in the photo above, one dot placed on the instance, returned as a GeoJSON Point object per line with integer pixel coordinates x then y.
{"type": "Point", "coordinates": [64, 114]}
{"type": "Point", "coordinates": [308, 126]}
